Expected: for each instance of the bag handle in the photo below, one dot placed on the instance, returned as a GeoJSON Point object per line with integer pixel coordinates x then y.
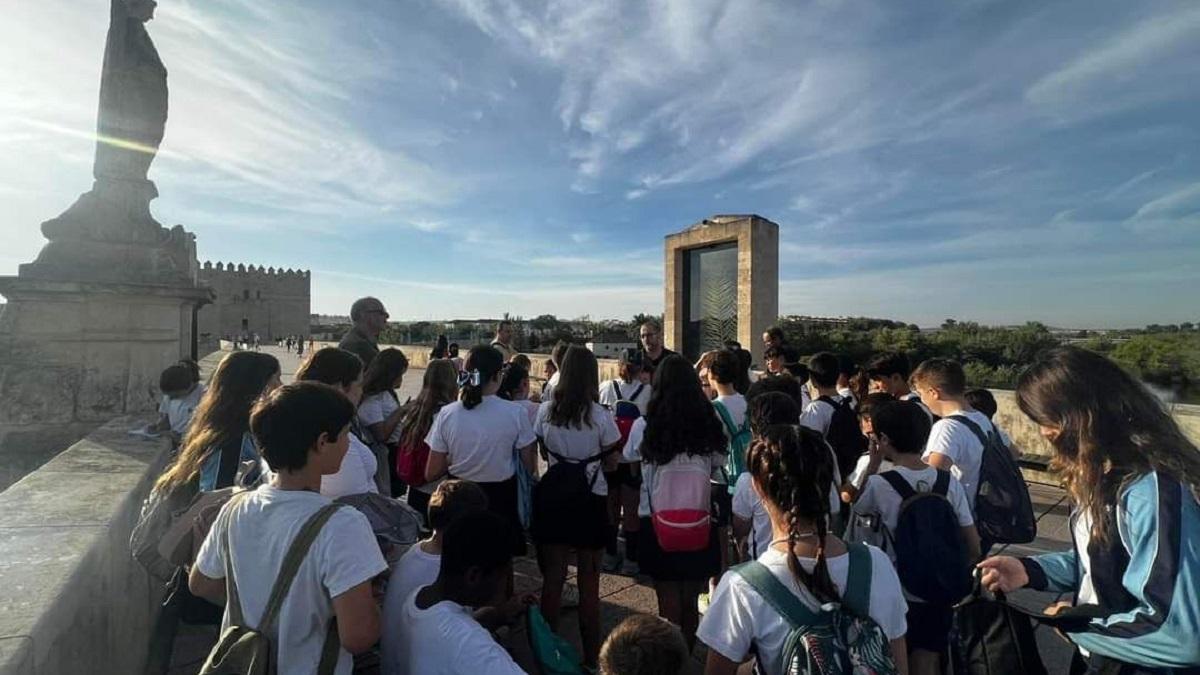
{"type": "Point", "coordinates": [858, 580]}
{"type": "Point", "coordinates": [780, 597]}
{"type": "Point", "coordinates": [291, 562]}
{"type": "Point", "coordinates": [970, 424]}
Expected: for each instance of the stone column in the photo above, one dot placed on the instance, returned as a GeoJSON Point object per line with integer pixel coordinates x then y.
{"type": "Point", "coordinates": [757, 304]}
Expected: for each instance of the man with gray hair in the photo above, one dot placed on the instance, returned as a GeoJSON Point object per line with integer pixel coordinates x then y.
{"type": "Point", "coordinates": [369, 319]}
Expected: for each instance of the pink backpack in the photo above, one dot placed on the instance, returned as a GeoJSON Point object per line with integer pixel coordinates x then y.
{"type": "Point", "coordinates": [679, 496]}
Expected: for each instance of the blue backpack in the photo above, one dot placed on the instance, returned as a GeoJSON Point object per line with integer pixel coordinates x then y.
{"type": "Point", "coordinates": [835, 639]}
{"type": "Point", "coordinates": [739, 442]}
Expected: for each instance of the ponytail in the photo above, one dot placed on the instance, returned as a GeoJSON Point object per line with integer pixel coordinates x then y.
{"type": "Point", "coordinates": [791, 465]}
{"type": "Point", "coordinates": [482, 364]}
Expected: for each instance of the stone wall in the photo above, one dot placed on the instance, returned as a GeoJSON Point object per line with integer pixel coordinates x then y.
{"type": "Point", "coordinates": [273, 303]}
{"type": "Point", "coordinates": [72, 599]}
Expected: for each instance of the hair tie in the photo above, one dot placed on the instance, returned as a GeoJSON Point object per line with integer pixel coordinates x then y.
{"type": "Point", "coordinates": [469, 378]}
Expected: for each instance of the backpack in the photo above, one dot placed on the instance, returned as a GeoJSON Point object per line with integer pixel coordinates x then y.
{"type": "Point", "coordinates": [159, 512]}
{"type": "Point", "coordinates": [992, 637]}
{"type": "Point", "coordinates": [565, 485]}
{"type": "Point", "coordinates": [739, 440]}
{"type": "Point", "coordinates": [1003, 510]}
{"type": "Point", "coordinates": [410, 463]}
{"type": "Point", "coordinates": [835, 639]}
{"type": "Point", "coordinates": [931, 560]}
{"type": "Point", "coordinates": [844, 434]}
{"type": "Point", "coordinates": [554, 654]}
{"type": "Point", "coordinates": [625, 411]}
{"type": "Point", "coordinates": [678, 495]}
{"type": "Point", "coordinates": [242, 650]}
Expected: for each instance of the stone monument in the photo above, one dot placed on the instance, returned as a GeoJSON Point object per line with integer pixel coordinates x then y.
{"type": "Point", "coordinates": [722, 283]}
{"type": "Point", "coordinates": [111, 299]}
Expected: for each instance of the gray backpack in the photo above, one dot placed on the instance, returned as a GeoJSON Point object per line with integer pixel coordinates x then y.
{"type": "Point", "coordinates": [243, 650]}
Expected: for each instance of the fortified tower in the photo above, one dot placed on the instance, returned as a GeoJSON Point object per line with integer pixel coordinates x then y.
{"type": "Point", "coordinates": [254, 300]}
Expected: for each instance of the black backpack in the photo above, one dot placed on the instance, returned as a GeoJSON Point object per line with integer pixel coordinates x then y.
{"type": "Point", "coordinates": [931, 559]}
{"type": "Point", "coordinates": [565, 485]}
{"type": "Point", "coordinates": [844, 435]}
{"type": "Point", "coordinates": [1003, 511]}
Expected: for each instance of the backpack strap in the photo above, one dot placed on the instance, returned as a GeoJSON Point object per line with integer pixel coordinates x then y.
{"type": "Point", "coordinates": [291, 562]}
{"type": "Point", "coordinates": [726, 417]}
{"type": "Point", "coordinates": [637, 392]}
{"type": "Point", "coordinates": [941, 486]}
{"type": "Point", "coordinates": [228, 461]}
{"type": "Point", "coordinates": [898, 484]}
{"type": "Point", "coordinates": [857, 597]}
{"type": "Point", "coordinates": [616, 391]}
{"type": "Point", "coordinates": [780, 597]}
{"type": "Point", "coordinates": [970, 424]}
{"type": "Point", "coordinates": [232, 598]}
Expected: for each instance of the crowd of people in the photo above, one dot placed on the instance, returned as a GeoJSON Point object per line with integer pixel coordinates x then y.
{"type": "Point", "coordinates": [752, 502]}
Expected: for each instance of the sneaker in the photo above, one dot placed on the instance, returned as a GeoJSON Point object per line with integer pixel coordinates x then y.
{"type": "Point", "coordinates": [630, 568]}
{"type": "Point", "coordinates": [611, 563]}
{"type": "Point", "coordinates": [570, 595]}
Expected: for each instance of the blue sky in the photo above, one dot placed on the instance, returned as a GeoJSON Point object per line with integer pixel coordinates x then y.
{"type": "Point", "coordinates": [999, 161]}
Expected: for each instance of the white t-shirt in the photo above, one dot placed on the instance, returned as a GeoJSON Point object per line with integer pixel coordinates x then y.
{"type": "Point", "coordinates": [531, 409]}
{"type": "Point", "coordinates": [479, 443]}
{"type": "Point", "coordinates": [356, 475]}
{"type": "Point", "coordinates": [579, 443]}
{"type": "Point", "coordinates": [954, 440]}
{"type": "Point", "coordinates": [261, 527]}
{"type": "Point", "coordinates": [858, 477]}
{"type": "Point", "coordinates": [878, 497]}
{"type": "Point", "coordinates": [738, 617]}
{"type": "Point", "coordinates": [633, 453]}
{"type": "Point", "coordinates": [736, 405]}
{"type": "Point", "coordinates": [916, 398]}
{"type": "Point", "coordinates": [446, 640]}
{"type": "Point", "coordinates": [179, 410]}
{"type": "Point", "coordinates": [846, 392]}
{"type": "Point", "coordinates": [548, 388]}
{"type": "Point", "coordinates": [749, 506]}
{"type": "Point", "coordinates": [414, 570]}
{"type": "Point", "coordinates": [623, 393]}
{"type": "Point", "coordinates": [818, 414]}
{"type": "Point", "coordinates": [377, 408]}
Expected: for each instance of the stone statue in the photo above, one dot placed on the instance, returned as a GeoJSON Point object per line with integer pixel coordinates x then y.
{"type": "Point", "coordinates": [109, 233]}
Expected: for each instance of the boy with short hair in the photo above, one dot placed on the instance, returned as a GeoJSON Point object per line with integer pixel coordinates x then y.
{"type": "Point", "coordinates": [418, 567]}
{"type": "Point", "coordinates": [952, 446]}
{"type": "Point", "coordinates": [773, 360]}
{"type": "Point", "coordinates": [438, 634]}
{"type": "Point", "coordinates": [181, 393]}
{"type": "Point", "coordinates": [302, 430]}
{"type": "Point", "coordinates": [643, 644]}
{"type": "Point", "coordinates": [889, 373]}
{"type": "Point", "coordinates": [823, 379]}
{"type": "Point", "coordinates": [900, 430]}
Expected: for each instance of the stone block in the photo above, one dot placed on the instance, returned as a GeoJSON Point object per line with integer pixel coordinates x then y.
{"type": "Point", "coordinates": [32, 394]}
{"type": "Point", "coordinates": [46, 316]}
{"type": "Point", "coordinates": [104, 380]}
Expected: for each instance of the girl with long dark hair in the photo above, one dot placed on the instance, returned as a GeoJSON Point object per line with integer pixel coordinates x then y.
{"type": "Point", "coordinates": [680, 430]}
{"type": "Point", "coordinates": [575, 430]}
{"type": "Point", "coordinates": [474, 438]}
{"type": "Point", "coordinates": [222, 422]}
{"type": "Point", "coordinates": [380, 412]}
{"type": "Point", "coordinates": [790, 468]}
{"type": "Point", "coordinates": [439, 388]}
{"type": "Point", "coordinates": [1134, 480]}
{"type": "Point", "coordinates": [343, 370]}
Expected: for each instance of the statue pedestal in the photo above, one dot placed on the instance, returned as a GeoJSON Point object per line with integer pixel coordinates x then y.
{"type": "Point", "coordinates": [75, 354]}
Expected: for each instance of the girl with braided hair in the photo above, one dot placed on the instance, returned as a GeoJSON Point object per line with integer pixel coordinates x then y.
{"type": "Point", "coordinates": [791, 469]}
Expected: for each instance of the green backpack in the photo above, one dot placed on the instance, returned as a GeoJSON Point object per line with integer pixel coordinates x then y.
{"type": "Point", "coordinates": [555, 656]}
{"type": "Point", "coordinates": [836, 639]}
{"type": "Point", "coordinates": [243, 650]}
{"type": "Point", "coordinates": [739, 441]}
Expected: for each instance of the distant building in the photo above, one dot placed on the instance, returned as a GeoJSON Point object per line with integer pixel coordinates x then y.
{"type": "Point", "coordinates": [269, 302]}
{"type": "Point", "coordinates": [609, 346]}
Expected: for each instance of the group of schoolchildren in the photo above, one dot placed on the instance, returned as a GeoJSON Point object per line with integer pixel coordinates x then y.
{"type": "Point", "coordinates": [753, 507]}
